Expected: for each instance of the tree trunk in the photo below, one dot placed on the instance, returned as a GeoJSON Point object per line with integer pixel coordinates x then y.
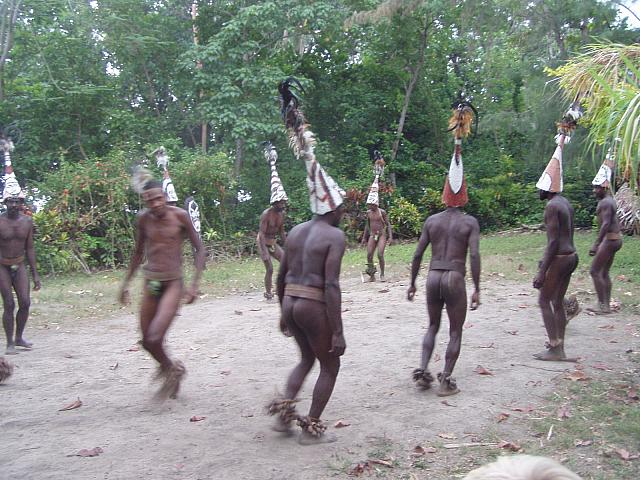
{"type": "Point", "coordinates": [237, 166]}
{"type": "Point", "coordinates": [9, 10]}
{"type": "Point", "coordinates": [415, 73]}
{"type": "Point", "coordinates": [204, 128]}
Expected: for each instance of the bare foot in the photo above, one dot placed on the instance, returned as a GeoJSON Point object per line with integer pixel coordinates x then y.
{"type": "Point", "coordinates": [23, 343]}
{"type": "Point", "coordinates": [552, 354]}
{"type": "Point", "coordinates": [11, 350]}
{"type": "Point", "coordinates": [600, 309]}
{"type": "Point", "coordinates": [171, 386]}
{"type": "Point", "coordinates": [422, 378]}
{"type": "Point", "coordinates": [6, 369]}
{"type": "Point", "coordinates": [282, 427]}
{"type": "Point", "coordinates": [448, 386]}
{"type": "Point", "coordinates": [268, 295]}
{"type": "Point", "coordinates": [306, 438]}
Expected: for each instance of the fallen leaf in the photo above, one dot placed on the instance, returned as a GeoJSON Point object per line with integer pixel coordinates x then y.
{"type": "Point", "coordinates": [72, 406]}
{"type": "Point", "coordinates": [134, 348]}
{"type": "Point", "coordinates": [480, 370]}
{"type": "Point", "coordinates": [237, 312]}
{"type": "Point", "coordinates": [359, 468]}
{"type": "Point", "coordinates": [633, 394]}
{"type": "Point", "coordinates": [89, 452]}
{"type": "Point", "coordinates": [523, 306]}
{"type": "Point", "coordinates": [526, 409]}
{"type": "Point", "coordinates": [624, 454]}
{"type": "Point", "coordinates": [512, 447]}
{"type": "Point", "coordinates": [511, 332]}
{"type": "Point", "coordinates": [621, 278]}
{"type": "Point", "coordinates": [607, 327]}
{"type": "Point", "coordinates": [418, 450]}
{"type": "Point", "coordinates": [341, 424]}
{"type": "Point", "coordinates": [583, 443]}
{"type": "Point", "coordinates": [255, 309]}
{"type": "Point", "coordinates": [502, 417]}
{"type": "Point", "coordinates": [448, 436]}
{"type": "Point", "coordinates": [197, 418]}
{"type": "Point", "coordinates": [564, 412]}
{"type": "Point", "coordinates": [436, 358]}
{"type": "Point", "coordinates": [445, 402]}
{"type": "Point", "coordinates": [468, 325]}
{"type": "Point", "coordinates": [385, 463]}
{"type": "Point", "coordinates": [114, 366]}
{"type": "Point", "coordinates": [487, 346]}
{"type": "Point", "coordinates": [602, 366]}
{"type": "Point", "coordinates": [225, 372]}
{"type": "Point", "coordinates": [384, 290]}
{"type": "Point", "coordinates": [577, 376]}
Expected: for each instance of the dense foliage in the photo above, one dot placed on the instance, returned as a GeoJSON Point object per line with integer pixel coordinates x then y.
{"type": "Point", "coordinates": [95, 87]}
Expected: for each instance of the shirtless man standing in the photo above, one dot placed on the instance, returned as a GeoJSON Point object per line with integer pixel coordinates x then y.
{"type": "Point", "coordinates": [272, 222]}
{"type": "Point", "coordinates": [608, 241]}
{"type": "Point", "coordinates": [309, 292]}
{"type": "Point", "coordinates": [451, 233]}
{"type": "Point", "coordinates": [160, 233]}
{"type": "Point", "coordinates": [16, 244]}
{"type": "Point", "coordinates": [559, 260]}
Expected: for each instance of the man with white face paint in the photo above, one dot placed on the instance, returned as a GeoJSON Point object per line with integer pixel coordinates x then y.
{"type": "Point", "coordinates": [161, 230]}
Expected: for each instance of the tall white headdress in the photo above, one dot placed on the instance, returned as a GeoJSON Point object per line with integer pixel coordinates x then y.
{"type": "Point", "coordinates": [277, 190]}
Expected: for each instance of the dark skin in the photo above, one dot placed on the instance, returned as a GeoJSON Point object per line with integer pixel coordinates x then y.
{"type": "Point", "coordinates": [271, 224]}
{"type": "Point", "coordinates": [603, 250]}
{"type": "Point", "coordinates": [554, 273]}
{"type": "Point", "coordinates": [378, 229]}
{"type": "Point", "coordinates": [313, 256]}
{"type": "Point", "coordinates": [451, 234]}
{"type": "Point", "coordinates": [161, 230]}
{"type": "Point", "coordinates": [16, 240]}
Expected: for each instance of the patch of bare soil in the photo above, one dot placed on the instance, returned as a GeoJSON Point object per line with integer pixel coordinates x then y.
{"type": "Point", "coordinates": [236, 359]}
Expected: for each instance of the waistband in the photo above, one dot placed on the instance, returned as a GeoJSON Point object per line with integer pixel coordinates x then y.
{"type": "Point", "coordinates": [453, 265]}
{"type": "Point", "coordinates": [12, 261]}
{"type": "Point", "coordinates": [613, 236]}
{"type": "Point", "coordinates": [270, 242]}
{"type": "Point", "coordinates": [161, 276]}
{"type": "Point", "coordinates": [304, 291]}
{"type": "Point", "coordinates": [566, 255]}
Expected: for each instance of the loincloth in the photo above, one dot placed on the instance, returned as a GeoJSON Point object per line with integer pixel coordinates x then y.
{"type": "Point", "coordinates": [269, 242]}
{"type": "Point", "coordinates": [613, 236]}
{"type": "Point", "coordinates": [304, 291]}
{"type": "Point", "coordinates": [161, 276]}
{"type": "Point", "coordinates": [452, 265]}
{"type": "Point", "coordinates": [378, 235]}
{"type": "Point", "coordinates": [12, 261]}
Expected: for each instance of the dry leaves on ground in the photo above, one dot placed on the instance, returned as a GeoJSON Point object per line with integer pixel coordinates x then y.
{"type": "Point", "coordinates": [564, 412]}
{"type": "Point", "coordinates": [133, 348]}
{"type": "Point", "coordinates": [197, 418]}
{"type": "Point", "coordinates": [577, 376]}
{"type": "Point", "coordinates": [88, 452]}
{"type": "Point", "coordinates": [512, 447]}
{"type": "Point", "coordinates": [419, 450]}
{"type": "Point", "coordinates": [527, 409]}
{"type": "Point", "coordinates": [480, 370]}
{"type": "Point", "coordinates": [341, 424]}
{"type": "Point", "coordinates": [448, 435]}
{"type": "Point", "coordinates": [502, 417]}
{"type": "Point", "coordinates": [72, 405]}
{"type": "Point", "coordinates": [583, 443]}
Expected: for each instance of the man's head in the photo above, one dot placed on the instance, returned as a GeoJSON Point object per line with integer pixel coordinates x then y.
{"type": "Point", "coordinates": [372, 206]}
{"type": "Point", "coordinates": [544, 195]}
{"type": "Point", "coordinates": [154, 198]}
{"type": "Point", "coordinates": [335, 216]}
{"type": "Point", "coordinates": [280, 205]}
{"type": "Point", "coordinates": [599, 192]}
{"type": "Point", "coordinates": [14, 205]}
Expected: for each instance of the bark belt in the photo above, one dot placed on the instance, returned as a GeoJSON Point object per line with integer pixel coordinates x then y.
{"type": "Point", "coordinates": [304, 291]}
{"type": "Point", "coordinates": [452, 265]}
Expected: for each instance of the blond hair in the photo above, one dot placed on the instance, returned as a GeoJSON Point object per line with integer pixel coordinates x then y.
{"type": "Point", "coordinates": [522, 467]}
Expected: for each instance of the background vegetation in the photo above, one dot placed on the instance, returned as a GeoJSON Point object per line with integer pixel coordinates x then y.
{"type": "Point", "coordinates": [91, 88]}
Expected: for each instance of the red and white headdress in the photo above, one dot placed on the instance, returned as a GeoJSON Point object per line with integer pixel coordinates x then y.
{"type": "Point", "coordinates": [551, 179]}
{"type": "Point", "coordinates": [162, 160]}
{"type": "Point", "coordinates": [378, 170]}
{"type": "Point", "coordinates": [324, 193]}
{"type": "Point", "coordinates": [454, 193]}
{"type": "Point", "coordinates": [12, 188]}
{"type": "Point", "coordinates": [277, 190]}
{"type": "Point", "coordinates": [604, 175]}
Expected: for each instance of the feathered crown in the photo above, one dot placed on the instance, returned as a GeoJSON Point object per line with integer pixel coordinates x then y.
{"type": "Point", "coordinates": [141, 176]}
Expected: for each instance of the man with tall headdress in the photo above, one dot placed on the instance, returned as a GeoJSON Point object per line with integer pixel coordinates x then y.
{"type": "Point", "coordinates": [272, 222]}
{"type": "Point", "coordinates": [451, 234]}
{"type": "Point", "coordinates": [161, 230]}
{"type": "Point", "coordinates": [609, 239]}
{"type": "Point", "coordinates": [560, 258]}
{"type": "Point", "coordinates": [16, 245]}
{"type": "Point", "coordinates": [308, 285]}
{"type": "Point", "coordinates": [377, 226]}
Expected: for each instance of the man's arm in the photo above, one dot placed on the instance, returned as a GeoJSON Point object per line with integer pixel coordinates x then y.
{"type": "Point", "coordinates": [605, 213]}
{"type": "Point", "coordinates": [474, 258]}
{"type": "Point", "coordinates": [283, 234]}
{"type": "Point", "coordinates": [136, 260]}
{"type": "Point", "coordinates": [423, 243]}
{"type": "Point", "coordinates": [31, 258]}
{"type": "Point", "coordinates": [261, 232]}
{"type": "Point", "coordinates": [552, 225]}
{"type": "Point", "coordinates": [365, 234]}
{"type": "Point", "coordinates": [385, 218]}
{"type": "Point", "coordinates": [199, 255]}
{"type": "Point", "coordinates": [332, 293]}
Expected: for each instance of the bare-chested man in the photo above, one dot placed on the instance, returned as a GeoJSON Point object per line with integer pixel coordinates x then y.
{"type": "Point", "coordinates": [271, 224]}
{"type": "Point", "coordinates": [451, 234]}
{"type": "Point", "coordinates": [16, 246]}
{"type": "Point", "coordinates": [378, 229]}
{"type": "Point", "coordinates": [308, 285]}
{"type": "Point", "coordinates": [161, 230]}
{"type": "Point", "coordinates": [608, 241]}
{"type": "Point", "coordinates": [560, 258]}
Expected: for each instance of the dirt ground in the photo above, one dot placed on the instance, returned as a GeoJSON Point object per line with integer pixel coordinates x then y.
{"type": "Point", "coordinates": [236, 359]}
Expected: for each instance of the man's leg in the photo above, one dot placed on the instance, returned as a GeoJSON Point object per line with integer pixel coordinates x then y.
{"type": "Point", "coordinates": [382, 243]}
{"type": "Point", "coordinates": [455, 296]}
{"type": "Point", "coordinates": [164, 312]}
{"type": "Point", "coordinates": [371, 248]}
{"type": "Point", "coordinates": [422, 376]}
{"type": "Point", "coordinates": [600, 267]}
{"type": "Point", "coordinates": [310, 317]}
{"type": "Point", "coordinates": [568, 266]}
{"type": "Point", "coordinates": [9, 305]}
{"type": "Point", "coordinates": [22, 288]}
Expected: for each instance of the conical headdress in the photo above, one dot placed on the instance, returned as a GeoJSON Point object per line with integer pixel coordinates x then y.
{"type": "Point", "coordinates": [604, 175]}
{"type": "Point", "coordinates": [378, 170]}
{"type": "Point", "coordinates": [324, 193]}
{"type": "Point", "coordinates": [277, 190]}
{"type": "Point", "coordinates": [551, 179]}
{"type": "Point", "coordinates": [454, 193]}
{"type": "Point", "coordinates": [12, 188]}
{"type": "Point", "coordinates": [162, 160]}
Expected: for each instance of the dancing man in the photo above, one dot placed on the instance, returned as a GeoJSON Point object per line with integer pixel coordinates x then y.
{"type": "Point", "coordinates": [451, 234]}
{"type": "Point", "coordinates": [16, 244]}
{"type": "Point", "coordinates": [272, 222]}
{"type": "Point", "coordinates": [160, 233]}
{"type": "Point", "coordinates": [308, 286]}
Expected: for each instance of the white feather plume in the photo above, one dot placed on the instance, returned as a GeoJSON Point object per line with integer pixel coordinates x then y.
{"type": "Point", "coordinates": [140, 178]}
